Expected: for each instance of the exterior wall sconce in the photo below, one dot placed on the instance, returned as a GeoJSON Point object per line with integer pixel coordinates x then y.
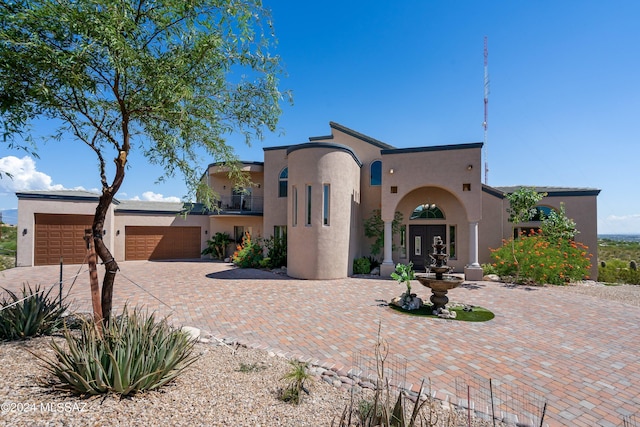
{"type": "Point", "coordinates": [104, 232]}
{"type": "Point", "coordinates": [469, 167]}
{"type": "Point", "coordinates": [24, 232]}
{"type": "Point", "coordinates": [206, 232]}
{"type": "Point", "coordinates": [391, 171]}
{"type": "Point", "coordinates": [117, 232]}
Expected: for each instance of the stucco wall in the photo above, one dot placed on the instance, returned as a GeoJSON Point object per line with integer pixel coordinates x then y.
{"type": "Point", "coordinates": [318, 251]}
{"type": "Point", "coordinates": [275, 207]}
{"type": "Point", "coordinates": [370, 196]}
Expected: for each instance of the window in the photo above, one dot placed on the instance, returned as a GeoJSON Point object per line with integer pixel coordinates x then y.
{"type": "Point", "coordinates": [452, 242]}
{"type": "Point", "coordinates": [403, 241]}
{"type": "Point", "coordinates": [376, 173]}
{"type": "Point", "coordinates": [307, 215]}
{"type": "Point", "coordinates": [417, 245]}
{"type": "Point", "coordinates": [294, 214]}
{"type": "Point", "coordinates": [238, 233]}
{"type": "Point", "coordinates": [427, 211]}
{"type": "Point", "coordinates": [542, 212]}
{"type": "Point", "coordinates": [326, 192]}
{"type": "Point", "coordinates": [280, 231]}
{"type": "Point", "coordinates": [283, 180]}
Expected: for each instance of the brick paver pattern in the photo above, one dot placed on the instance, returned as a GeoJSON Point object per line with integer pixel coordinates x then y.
{"type": "Point", "coordinates": [577, 351]}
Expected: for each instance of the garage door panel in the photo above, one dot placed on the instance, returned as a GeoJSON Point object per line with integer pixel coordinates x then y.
{"type": "Point", "coordinates": [155, 242]}
{"type": "Point", "coordinates": [59, 235]}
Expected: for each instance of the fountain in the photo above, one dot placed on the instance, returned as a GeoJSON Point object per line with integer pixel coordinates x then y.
{"type": "Point", "coordinates": [436, 279]}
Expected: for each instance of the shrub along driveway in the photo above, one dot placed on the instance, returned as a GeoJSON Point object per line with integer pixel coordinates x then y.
{"type": "Point", "coordinates": [575, 350]}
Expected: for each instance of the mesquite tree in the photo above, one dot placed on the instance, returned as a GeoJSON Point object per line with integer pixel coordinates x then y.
{"type": "Point", "coordinates": [169, 78]}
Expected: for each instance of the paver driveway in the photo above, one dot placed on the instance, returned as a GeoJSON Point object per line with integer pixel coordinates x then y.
{"type": "Point", "coordinates": [582, 356]}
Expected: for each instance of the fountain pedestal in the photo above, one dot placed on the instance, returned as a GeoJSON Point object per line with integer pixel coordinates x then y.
{"type": "Point", "coordinates": [436, 279]}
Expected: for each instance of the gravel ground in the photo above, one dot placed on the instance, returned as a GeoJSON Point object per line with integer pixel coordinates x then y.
{"type": "Point", "coordinates": [212, 392]}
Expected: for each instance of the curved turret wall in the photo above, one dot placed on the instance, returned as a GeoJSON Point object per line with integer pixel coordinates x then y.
{"type": "Point", "coordinates": [319, 250]}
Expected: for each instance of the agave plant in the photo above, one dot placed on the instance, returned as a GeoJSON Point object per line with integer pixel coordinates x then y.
{"type": "Point", "coordinates": [33, 313]}
{"type": "Point", "coordinates": [134, 353]}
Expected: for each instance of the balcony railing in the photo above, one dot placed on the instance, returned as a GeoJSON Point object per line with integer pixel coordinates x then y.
{"type": "Point", "coordinates": [241, 204]}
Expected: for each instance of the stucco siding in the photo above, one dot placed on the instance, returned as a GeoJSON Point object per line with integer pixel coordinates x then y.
{"type": "Point", "coordinates": [275, 207]}
{"type": "Point", "coordinates": [317, 250]}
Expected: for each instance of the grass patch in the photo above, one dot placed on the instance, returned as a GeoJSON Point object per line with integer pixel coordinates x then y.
{"type": "Point", "coordinates": [477, 314]}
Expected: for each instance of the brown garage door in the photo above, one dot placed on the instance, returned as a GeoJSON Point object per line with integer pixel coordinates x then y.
{"type": "Point", "coordinates": [154, 242]}
{"type": "Point", "coordinates": [60, 235]}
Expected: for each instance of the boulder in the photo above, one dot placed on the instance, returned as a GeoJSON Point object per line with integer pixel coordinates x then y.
{"type": "Point", "coordinates": [491, 278]}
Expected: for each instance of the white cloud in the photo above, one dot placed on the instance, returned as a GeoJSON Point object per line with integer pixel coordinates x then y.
{"type": "Point", "coordinates": [24, 176]}
{"type": "Point", "coordinates": [620, 224]}
{"type": "Point", "coordinates": [150, 196]}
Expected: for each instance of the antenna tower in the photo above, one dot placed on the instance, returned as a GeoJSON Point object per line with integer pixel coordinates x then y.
{"type": "Point", "coordinates": [486, 109]}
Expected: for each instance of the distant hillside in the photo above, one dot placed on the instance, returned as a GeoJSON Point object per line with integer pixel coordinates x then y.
{"type": "Point", "coordinates": [10, 216]}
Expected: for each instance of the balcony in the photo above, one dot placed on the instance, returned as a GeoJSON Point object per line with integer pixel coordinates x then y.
{"type": "Point", "coordinates": [240, 205]}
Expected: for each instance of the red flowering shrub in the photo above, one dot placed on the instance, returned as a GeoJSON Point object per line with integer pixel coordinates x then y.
{"type": "Point", "coordinates": [542, 261]}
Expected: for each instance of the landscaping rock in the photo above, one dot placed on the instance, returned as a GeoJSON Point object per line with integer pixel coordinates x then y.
{"type": "Point", "coordinates": [491, 278]}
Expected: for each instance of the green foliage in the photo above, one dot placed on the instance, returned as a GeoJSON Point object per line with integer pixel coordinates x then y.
{"type": "Point", "coordinates": [616, 249]}
{"type": "Point", "coordinates": [618, 271]}
{"type": "Point", "coordinates": [373, 262]}
{"type": "Point", "coordinates": [184, 74]}
{"type": "Point", "coordinates": [296, 378]}
{"type": "Point", "coordinates": [541, 261]}
{"type": "Point", "coordinates": [558, 226]}
{"type": "Point", "coordinates": [404, 274]}
{"type": "Point", "coordinates": [522, 208]}
{"type": "Point", "coordinates": [8, 245]}
{"type": "Point", "coordinates": [135, 353]}
{"type": "Point", "coordinates": [217, 245]}
{"type": "Point", "coordinates": [374, 229]}
{"type": "Point", "coordinates": [248, 254]}
{"type": "Point", "coordinates": [30, 314]}
{"type": "Point", "coordinates": [522, 204]}
{"type": "Point", "coordinates": [276, 251]}
{"type": "Point", "coordinates": [361, 266]}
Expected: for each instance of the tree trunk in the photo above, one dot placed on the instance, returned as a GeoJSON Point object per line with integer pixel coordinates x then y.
{"type": "Point", "coordinates": [111, 266]}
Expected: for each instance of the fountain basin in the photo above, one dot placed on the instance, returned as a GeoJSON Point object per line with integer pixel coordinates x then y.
{"type": "Point", "coordinates": [439, 288]}
{"type": "Point", "coordinates": [441, 285]}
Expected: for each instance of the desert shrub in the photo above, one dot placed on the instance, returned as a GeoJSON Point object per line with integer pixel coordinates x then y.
{"type": "Point", "coordinates": [32, 312]}
{"type": "Point", "coordinates": [296, 378]}
{"type": "Point", "coordinates": [541, 261]}
{"type": "Point", "coordinates": [134, 353]}
{"type": "Point", "coordinates": [248, 254]}
{"type": "Point", "coordinates": [618, 271]}
{"type": "Point", "coordinates": [217, 245]}
{"type": "Point", "coordinates": [361, 266]}
{"type": "Point", "coordinates": [276, 251]}
{"type": "Point", "coordinates": [488, 269]}
{"type": "Point", "coordinates": [373, 262]}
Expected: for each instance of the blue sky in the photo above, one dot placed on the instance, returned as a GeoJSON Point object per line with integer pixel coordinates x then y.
{"type": "Point", "coordinates": [563, 107]}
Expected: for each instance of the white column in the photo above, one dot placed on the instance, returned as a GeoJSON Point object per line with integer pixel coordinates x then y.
{"type": "Point", "coordinates": [388, 254]}
{"type": "Point", "coordinates": [473, 244]}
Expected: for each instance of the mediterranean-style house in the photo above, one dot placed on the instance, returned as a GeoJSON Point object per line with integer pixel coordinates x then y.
{"type": "Point", "coordinates": [318, 194]}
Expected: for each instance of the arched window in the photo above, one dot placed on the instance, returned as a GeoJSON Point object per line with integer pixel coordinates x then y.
{"type": "Point", "coordinates": [541, 213]}
{"type": "Point", "coordinates": [283, 180]}
{"type": "Point", "coordinates": [376, 173]}
{"type": "Point", "coordinates": [427, 211]}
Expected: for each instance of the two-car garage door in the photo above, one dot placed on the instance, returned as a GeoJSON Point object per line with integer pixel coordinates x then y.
{"type": "Point", "coordinates": [155, 242]}
{"type": "Point", "coordinates": [59, 235]}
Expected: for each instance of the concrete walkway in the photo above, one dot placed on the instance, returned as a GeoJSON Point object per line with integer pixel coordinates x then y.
{"type": "Point", "coordinates": [581, 357]}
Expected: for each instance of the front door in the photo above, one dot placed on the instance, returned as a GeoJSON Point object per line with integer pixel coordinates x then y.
{"type": "Point", "coordinates": [421, 241]}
